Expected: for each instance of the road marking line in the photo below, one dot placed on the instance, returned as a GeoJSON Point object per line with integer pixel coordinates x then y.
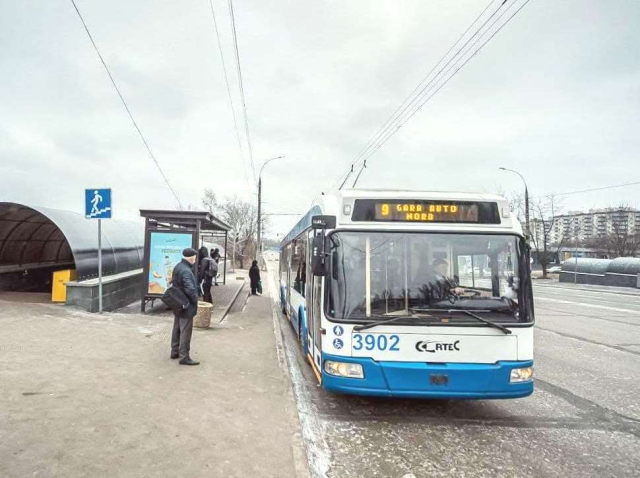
{"type": "Point", "coordinates": [593, 306]}
{"type": "Point", "coordinates": [586, 293]}
{"type": "Point", "coordinates": [599, 299]}
{"type": "Point", "coordinates": [591, 291]}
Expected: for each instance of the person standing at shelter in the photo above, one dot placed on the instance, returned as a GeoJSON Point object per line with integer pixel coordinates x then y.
{"type": "Point", "coordinates": [254, 277]}
{"type": "Point", "coordinates": [184, 279]}
{"type": "Point", "coordinates": [208, 270]}
{"type": "Point", "coordinates": [203, 253]}
{"type": "Point", "coordinates": [215, 255]}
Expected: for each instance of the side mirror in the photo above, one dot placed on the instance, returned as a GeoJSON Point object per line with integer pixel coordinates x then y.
{"type": "Point", "coordinates": [323, 222]}
{"type": "Point", "coordinates": [319, 256]}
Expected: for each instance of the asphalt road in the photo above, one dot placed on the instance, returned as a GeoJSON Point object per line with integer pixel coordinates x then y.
{"type": "Point", "coordinates": [582, 420]}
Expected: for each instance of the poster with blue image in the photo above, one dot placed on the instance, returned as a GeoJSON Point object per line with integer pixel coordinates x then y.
{"type": "Point", "coordinates": [165, 251]}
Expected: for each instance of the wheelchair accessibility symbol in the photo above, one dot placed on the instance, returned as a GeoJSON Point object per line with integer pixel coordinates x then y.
{"type": "Point", "coordinates": [337, 343]}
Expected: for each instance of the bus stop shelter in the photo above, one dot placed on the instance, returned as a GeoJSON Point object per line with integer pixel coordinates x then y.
{"type": "Point", "coordinates": [167, 234]}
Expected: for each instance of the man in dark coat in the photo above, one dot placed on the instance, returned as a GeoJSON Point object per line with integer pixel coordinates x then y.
{"type": "Point", "coordinates": [184, 279]}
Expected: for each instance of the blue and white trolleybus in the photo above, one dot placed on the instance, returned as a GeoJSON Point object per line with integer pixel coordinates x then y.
{"type": "Point", "coordinates": [412, 294]}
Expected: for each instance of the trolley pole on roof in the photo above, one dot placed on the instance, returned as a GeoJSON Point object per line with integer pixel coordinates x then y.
{"type": "Point", "coordinates": [258, 248]}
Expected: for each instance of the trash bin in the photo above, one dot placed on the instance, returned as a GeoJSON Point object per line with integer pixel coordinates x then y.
{"type": "Point", "coordinates": [203, 317]}
{"type": "Point", "coordinates": [59, 287]}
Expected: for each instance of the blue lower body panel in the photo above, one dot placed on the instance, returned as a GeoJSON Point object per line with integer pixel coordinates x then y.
{"type": "Point", "coordinates": [430, 380]}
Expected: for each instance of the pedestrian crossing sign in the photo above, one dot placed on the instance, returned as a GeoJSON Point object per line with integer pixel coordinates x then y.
{"type": "Point", "coordinates": [97, 203]}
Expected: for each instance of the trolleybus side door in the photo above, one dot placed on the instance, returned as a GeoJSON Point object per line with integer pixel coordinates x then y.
{"type": "Point", "coordinates": [288, 276]}
{"type": "Point", "coordinates": [316, 312]}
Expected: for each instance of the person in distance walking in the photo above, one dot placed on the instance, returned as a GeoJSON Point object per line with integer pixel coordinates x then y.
{"type": "Point", "coordinates": [254, 277]}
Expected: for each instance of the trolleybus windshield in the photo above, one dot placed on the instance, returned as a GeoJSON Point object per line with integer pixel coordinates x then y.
{"type": "Point", "coordinates": [377, 275]}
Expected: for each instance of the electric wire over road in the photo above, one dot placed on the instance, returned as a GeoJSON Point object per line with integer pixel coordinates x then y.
{"type": "Point", "coordinates": [233, 111]}
{"type": "Point", "coordinates": [240, 82]}
{"type": "Point", "coordinates": [466, 47]}
{"type": "Point", "coordinates": [135, 124]}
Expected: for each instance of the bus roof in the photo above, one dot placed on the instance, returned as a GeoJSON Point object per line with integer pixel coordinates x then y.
{"type": "Point", "coordinates": [409, 193]}
{"type": "Point", "coordinates": [341, 203]}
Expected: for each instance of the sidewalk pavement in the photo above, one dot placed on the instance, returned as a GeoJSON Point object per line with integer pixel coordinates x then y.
{"type": "Point", "coordinates": [95, 395]}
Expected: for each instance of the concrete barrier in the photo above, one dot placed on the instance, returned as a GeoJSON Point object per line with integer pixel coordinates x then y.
{"type": "Point", "coordinates": [620, 272]}
{"type": "Point", "coordinates": [117, 291]}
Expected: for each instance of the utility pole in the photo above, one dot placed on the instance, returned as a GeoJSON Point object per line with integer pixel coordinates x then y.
{"type": "Point", "coordinates": [259, 217]}
{"type": "Point", "coordinates": [257, 255]}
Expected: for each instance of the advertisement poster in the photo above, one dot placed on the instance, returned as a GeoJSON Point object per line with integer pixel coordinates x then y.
{"type": "Point", "coordinates": [165, 251]}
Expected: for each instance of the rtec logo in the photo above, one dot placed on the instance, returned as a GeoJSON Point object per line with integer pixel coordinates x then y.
{"type": "Point", "coordinates": [433, 347]}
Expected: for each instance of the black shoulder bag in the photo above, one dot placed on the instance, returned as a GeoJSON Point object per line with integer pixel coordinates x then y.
{"type": "Point", "coordinates": [175, 299]}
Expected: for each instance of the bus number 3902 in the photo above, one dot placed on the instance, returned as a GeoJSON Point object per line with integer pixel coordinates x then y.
{"type": "Point", "coordinates": [379, 342]}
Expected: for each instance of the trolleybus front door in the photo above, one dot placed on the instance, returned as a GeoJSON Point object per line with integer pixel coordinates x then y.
{"type": "Point", "coordinates": [313, 302]}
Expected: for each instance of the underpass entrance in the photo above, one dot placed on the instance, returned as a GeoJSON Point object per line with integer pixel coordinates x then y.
{"type": "Point", "coordinates": [36, 242]}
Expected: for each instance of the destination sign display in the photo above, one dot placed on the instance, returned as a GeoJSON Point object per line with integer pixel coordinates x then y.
{"type": "Point", "coordinates": [385, 210]}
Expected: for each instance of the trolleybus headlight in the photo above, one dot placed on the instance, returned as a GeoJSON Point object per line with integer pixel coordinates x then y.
{"type": "Point", "coordinates": [342, 369]}
{"type": "Point", "coordinates": [521, 374]}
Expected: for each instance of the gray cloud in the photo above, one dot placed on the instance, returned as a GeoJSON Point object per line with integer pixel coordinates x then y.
{"type": "Point", "coordinates": [554, 95]}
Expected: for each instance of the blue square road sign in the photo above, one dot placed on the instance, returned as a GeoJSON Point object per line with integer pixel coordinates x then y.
{"type": "Point", "coordinates": [97, 203]}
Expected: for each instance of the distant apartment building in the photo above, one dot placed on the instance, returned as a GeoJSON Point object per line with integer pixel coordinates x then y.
{"type": "Point", "coordinates": [583, 226]}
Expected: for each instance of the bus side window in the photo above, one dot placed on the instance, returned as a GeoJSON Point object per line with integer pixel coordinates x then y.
{"type": "Point", "coordinates": [284, 264]}
{"type": "Point", "coordinates": [298, 266]}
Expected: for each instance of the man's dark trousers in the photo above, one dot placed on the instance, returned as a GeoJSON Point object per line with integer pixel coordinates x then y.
{"type": "Point", "coordinates": [181, 335]}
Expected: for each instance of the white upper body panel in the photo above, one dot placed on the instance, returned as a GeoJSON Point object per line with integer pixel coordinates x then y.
{"type": "Point", "coordinates": [341, 203]}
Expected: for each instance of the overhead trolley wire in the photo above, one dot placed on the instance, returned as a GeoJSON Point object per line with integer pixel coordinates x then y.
{"type": "Point", "coordinates": [410, 98]}
{"type": "Point", "coordinates": [453, 69]}
{"type": "Point", "coordinates": [226, 79]}
{"type": "Point", "coordinates": [582, 191]}
{"type": "Point", "coordinates": [240, 82]}
{"type": "Point", "coordinates": [113, 82]}
{"type": "Point", "coordinates": [415, 101]}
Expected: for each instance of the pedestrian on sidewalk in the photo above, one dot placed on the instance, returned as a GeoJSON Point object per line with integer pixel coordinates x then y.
{"type": "Point", "coordinates": [184, 279]}
{"type": "Point", "coordinates": [254, 277]}
{"type": "Point", "coordinates": [208, 270]}
{"type": "Point", "coordinates": [215, 255]}
{"type": "Point", "coordinates": [203, 253]}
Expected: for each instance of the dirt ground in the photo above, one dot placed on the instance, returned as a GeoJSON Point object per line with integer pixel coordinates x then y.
{"type": "Point", "coordinates": [89, 395]}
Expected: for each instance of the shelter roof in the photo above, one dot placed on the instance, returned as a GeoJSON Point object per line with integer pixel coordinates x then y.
{"type": "Point", "coordinates": [187, 219]}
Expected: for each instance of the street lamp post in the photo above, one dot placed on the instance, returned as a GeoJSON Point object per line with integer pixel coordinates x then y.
{"type": "Point", "coordinates": [260, 205]}
{"type": "Point", "coordinates": [526, 201]}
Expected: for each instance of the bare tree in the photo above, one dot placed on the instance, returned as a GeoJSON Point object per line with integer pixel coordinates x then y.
{"type": "Point", "coordinates": [545, 214]}
{"type": "Point", "coordinates": [619, 242]}
{"type": "Point", "coordinates": [210, 201]}
{"type": "Point", "coordinates": [242, 216]}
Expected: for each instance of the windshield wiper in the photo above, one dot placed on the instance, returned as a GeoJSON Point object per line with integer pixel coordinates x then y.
{"type": "Point", "coordinates": [358, 328]}
{"type": "Point", "coordinates": [470, 314]}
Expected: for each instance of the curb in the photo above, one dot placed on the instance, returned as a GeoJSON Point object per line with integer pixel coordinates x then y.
{"type": "Point", "coordinates": [300, 458]}
{"type": "Point", "coordinates": [232, 302]}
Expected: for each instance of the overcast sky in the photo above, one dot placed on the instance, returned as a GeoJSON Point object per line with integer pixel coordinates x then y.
{"type": "Point", "coordinates": [555, 95]}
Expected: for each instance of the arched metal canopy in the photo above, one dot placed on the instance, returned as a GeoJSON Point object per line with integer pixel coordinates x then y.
{"type": "Point", "coordinates": [33, 237]}
{"type": "Point", "coordinates": [625, 265]}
